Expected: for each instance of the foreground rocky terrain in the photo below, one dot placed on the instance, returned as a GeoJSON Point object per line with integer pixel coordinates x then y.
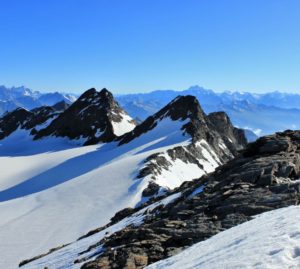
{"type": "Point", "coordinates": [262, 178]}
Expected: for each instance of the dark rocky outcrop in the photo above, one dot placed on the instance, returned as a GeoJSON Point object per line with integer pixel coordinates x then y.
{"type": "Point", "coordinates": [61, 106]}
{"type": "Point", "coordinates": [90, 117]}
{"type": "Point", "coordinates": [151, 190]}
{"type": "Point", "coordinates": [29, 119]}
{"type": "Point", "coordinates": [13, 120]}
{"type": "Point", "coordinates": [234, 138]}
{"type": "Point", "coordinates": [24, 119]}
{"type": "Point", "coordinates": [262, 178]}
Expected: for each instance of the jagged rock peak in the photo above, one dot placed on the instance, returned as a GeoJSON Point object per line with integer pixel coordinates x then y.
{"type": "Point", "coordinates": [105, 92]}
{"type": "Point", "coordinates": [181, 108]}
{"type": "Point", "coordinates": [103, 98]}
{"type": "Point", "coordinates": [88, 93]}
{"type": "Point", "coordinates": [24, 119]}
{"type": "Point", "coordinates": [94, 117]}
{"type": "Point", "coordinates": [231, 134]}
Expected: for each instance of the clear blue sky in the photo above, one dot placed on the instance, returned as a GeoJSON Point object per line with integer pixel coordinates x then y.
{"type": "Point", "coordinates": [142, 45]}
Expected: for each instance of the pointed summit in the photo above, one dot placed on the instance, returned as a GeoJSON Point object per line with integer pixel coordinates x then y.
{"type": "Point", "coordinates": [105, 92]}
{"type": "Point", "coordinates": [94, 117]}
{"type": "Point", "coordinates": [88, 93]}
{"type": "Point", "coordinates": [182, 108]}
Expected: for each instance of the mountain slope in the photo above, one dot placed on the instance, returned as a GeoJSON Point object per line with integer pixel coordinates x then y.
{"type": "Point", "coordinates": [263, 178]}
{"type": "Point", "coordinates": [210, 145]}
{"type": "Point", "coordinates": [57, 191]}
{"type": "Point", "coordinates": [271, 240]}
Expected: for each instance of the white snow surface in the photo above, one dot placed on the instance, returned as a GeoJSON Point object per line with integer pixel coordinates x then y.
{"type": "Point", "coordinates": [270, 241]}
{"type": "Point", "coordinates": [176, 173]}
{"type": "Point", "coordinates": [179, 171]}
{"type": "Point", "coordinates": [64, 258]}
{"type": "Point", "coordinates": [124, 126]}
{"type": "Point", "coordinates": [52, 191]}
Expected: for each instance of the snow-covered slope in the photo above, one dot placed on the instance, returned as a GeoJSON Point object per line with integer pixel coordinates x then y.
{"type": "Point", "coordinates": [271, 240]}
{"type": "Point", "coordinates": [52, 198]}
{"type": "Point", "coordinates": [64, 257]}
{"type": "Point", "coordinates": [53, 191]}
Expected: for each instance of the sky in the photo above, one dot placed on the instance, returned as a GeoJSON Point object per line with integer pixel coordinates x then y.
{"type": "Point", "coordinates": [144, 45]}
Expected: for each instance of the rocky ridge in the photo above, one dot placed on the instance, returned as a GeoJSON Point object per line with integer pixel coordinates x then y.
{"type": "Point", "coordinates": [265, 176]}
{"type": "Point", "coordinates": [21, 118]}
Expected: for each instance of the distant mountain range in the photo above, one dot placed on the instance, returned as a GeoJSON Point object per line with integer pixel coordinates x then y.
{"type": "Point", "coordinates": [261, 113]}
{"type": "Point", "coordinates": [12, 98]}
{"type": "Point", "coordinates": [258, 113]}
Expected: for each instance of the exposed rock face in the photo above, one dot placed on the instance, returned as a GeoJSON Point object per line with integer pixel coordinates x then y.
{"type": "Point", "coordinates": [234, 138]}
{"type": "Point", "coordinates": [24, 119]}
{"type": "Point", "coordinates": [92, 117]}
{"type": "Point", "coordinates": [11, 121]}
{"type": "Point", "coordinates": [29, 119]}
{"type": "Point", "coordinates": [262, 178]}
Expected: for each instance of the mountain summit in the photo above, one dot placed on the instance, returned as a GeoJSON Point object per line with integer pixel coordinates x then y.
{"type": "Point", "coordinates": [94, 117]}
{"type": "Point", "coordinates": [197, 124]}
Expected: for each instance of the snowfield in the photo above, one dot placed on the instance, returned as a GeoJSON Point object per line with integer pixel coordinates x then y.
{"type": "Point", "coordinates": [124, 126]}
{"type": "Point", "coordinates": [52, 191]}
{"type": "Point", "coordinates": [64, 258]}
{"type": "Point", "coordinates": [271, 240]}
